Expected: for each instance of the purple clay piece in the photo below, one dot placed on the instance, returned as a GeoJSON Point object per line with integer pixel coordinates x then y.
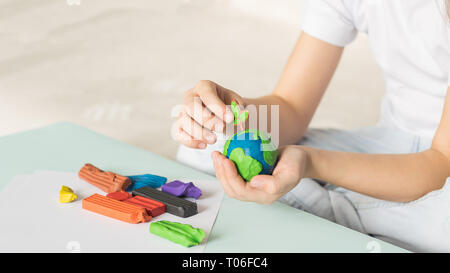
{"type": "Point", "coordinates": [176, 187]}
{"type": "Point", "coordinates": [181, 189]}
{"type": "Point", "coordinates": [193, 191]}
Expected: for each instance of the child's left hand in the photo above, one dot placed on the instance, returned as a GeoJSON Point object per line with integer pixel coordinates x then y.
{"type": "Point", "coordinates": [263, 189]}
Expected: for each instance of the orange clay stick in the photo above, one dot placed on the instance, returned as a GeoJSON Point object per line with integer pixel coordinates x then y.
{"type": "Point", "coordinates": [115, 209]}
{"type": "Point", "coordinates": [106, 181]}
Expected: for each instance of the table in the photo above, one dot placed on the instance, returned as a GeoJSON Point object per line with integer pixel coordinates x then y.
{"type": "Point", "coordinates": [239, 227]}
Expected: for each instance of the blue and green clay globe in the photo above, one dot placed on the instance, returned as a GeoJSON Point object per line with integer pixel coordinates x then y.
{"type": "Point", "coordinates": [252, 152]}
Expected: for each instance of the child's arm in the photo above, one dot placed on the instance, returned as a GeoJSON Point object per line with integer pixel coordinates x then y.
{"type": "Point", "coordinates": [400, 178]}
{"type": "Point", "coordinates": [298, 93]}
{"type": "Point", "coordinates": [301, 86]}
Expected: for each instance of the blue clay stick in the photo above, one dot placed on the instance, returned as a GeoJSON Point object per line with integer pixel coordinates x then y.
{"type": "Point", "coordinates": [144, 180]}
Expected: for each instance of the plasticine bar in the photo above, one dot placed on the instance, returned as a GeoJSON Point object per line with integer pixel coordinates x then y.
{"type": "Point", "coordinates": [181, 189]}
{"type": "Point", "coordinates": [174, 205]}
{"type": "Point", "coordinates": [119, 195]}
{"type": "Point", "coordinates": [115, 209]}
{"type": "Point", "coordinates": [182, 234]}
{"type": "Point", "coordinates": [151, 180]}
{"type": "Point", "coordinates": [154, 208]}
{"type": "Point", "coordinates": [106, 181]}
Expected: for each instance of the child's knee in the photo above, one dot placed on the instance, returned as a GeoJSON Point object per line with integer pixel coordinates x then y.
{"type": "Point", "coordinates": [422, 225]}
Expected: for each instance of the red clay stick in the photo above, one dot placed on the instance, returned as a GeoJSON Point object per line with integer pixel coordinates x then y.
{"type": "Point", "coordinates": [154, 208]}
{"type": "Point", "coordinates": [119, 195]}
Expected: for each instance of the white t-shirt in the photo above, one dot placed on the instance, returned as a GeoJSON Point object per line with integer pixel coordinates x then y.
{"type": "Point", "coordinates": [411, 43]}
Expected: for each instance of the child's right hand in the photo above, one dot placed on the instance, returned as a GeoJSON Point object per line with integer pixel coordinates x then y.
{"type": "Point", "coordinates": [205, 111]}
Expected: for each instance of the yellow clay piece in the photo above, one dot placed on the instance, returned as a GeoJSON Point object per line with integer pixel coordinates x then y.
{"type": "Point", "coordinates": [66, 195]}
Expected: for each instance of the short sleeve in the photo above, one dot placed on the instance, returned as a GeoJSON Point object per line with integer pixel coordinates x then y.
{"type": "Point", "coordinates": [448, 78]}
{"type": "Point", "coordinates": [330, 21]}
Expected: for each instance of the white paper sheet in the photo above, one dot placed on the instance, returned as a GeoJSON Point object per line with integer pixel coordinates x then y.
{"type": "Point", "coordinates": [32, 219]}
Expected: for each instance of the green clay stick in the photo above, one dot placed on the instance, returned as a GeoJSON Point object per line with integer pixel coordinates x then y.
{"type": "Point", "coordinates": [182, 234]}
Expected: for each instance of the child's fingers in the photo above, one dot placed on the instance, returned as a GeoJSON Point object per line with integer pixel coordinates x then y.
{"type": "Point", "coordinates": [208, 93]}
{"type": "Point", "coordinates": [268, 183]}
{"type": "Point", "coordinates": [194, 107]}
{"type": "Point", "coordinates": [235, 186]}
{"type": "Point", "coordinates": [289, 162]}
{"type": "Point", "coordinates": [231, 96]}
{"type": "Point", "coordinates": [235, 181]}
{"type": "Point", "coordinates": [196, 131]}
{"type": "Point", "coordinates": [220, 174]}
{"type": "Point", "coordinates": [214, 124]}
{"type": "Point", "coordinates": [184, 138]}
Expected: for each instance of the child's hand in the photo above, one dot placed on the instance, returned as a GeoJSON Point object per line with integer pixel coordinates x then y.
{"type": "Point", "coordinates": [263, 189]}
{"type": "Point", "coordinates": [205, 112]}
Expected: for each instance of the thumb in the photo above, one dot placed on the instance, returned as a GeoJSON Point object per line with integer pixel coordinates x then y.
{"type": "Point", "coordinates": [268, 183]}
{"type": "Point", "coordinates": [228, 96]}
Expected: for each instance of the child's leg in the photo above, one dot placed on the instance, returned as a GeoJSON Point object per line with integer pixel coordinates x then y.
{"type": "Point", "coordinates": [422, 225]}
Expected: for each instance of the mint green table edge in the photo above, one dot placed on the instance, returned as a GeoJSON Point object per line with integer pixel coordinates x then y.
{"type": "Point", "coordinates": [239, 227]}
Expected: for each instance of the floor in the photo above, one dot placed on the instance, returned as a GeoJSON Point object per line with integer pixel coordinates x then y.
{"type": "Point", "coordinates": [119, 67]}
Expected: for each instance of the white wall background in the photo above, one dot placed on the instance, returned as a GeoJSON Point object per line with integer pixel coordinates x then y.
{"type": "Point", "coordinates": [118, 67]}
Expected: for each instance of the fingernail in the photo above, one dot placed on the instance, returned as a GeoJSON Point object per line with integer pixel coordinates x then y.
{"type": "Point", "coordinates": [211, 138]}
{"type": "Point", "coordinates": [229, 117]}
{"type": "Point", "coordinates": [202, 145]}
{"type": "Point", "coordinates": [215, 157]}
{"type": "Point", "coordinates": [257, 183]}
{"type": "Point", "coordinates": [219, 127]}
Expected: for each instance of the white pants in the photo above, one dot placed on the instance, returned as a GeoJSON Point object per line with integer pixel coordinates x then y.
{"type": "Point", "coordinates": [422, 225]}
